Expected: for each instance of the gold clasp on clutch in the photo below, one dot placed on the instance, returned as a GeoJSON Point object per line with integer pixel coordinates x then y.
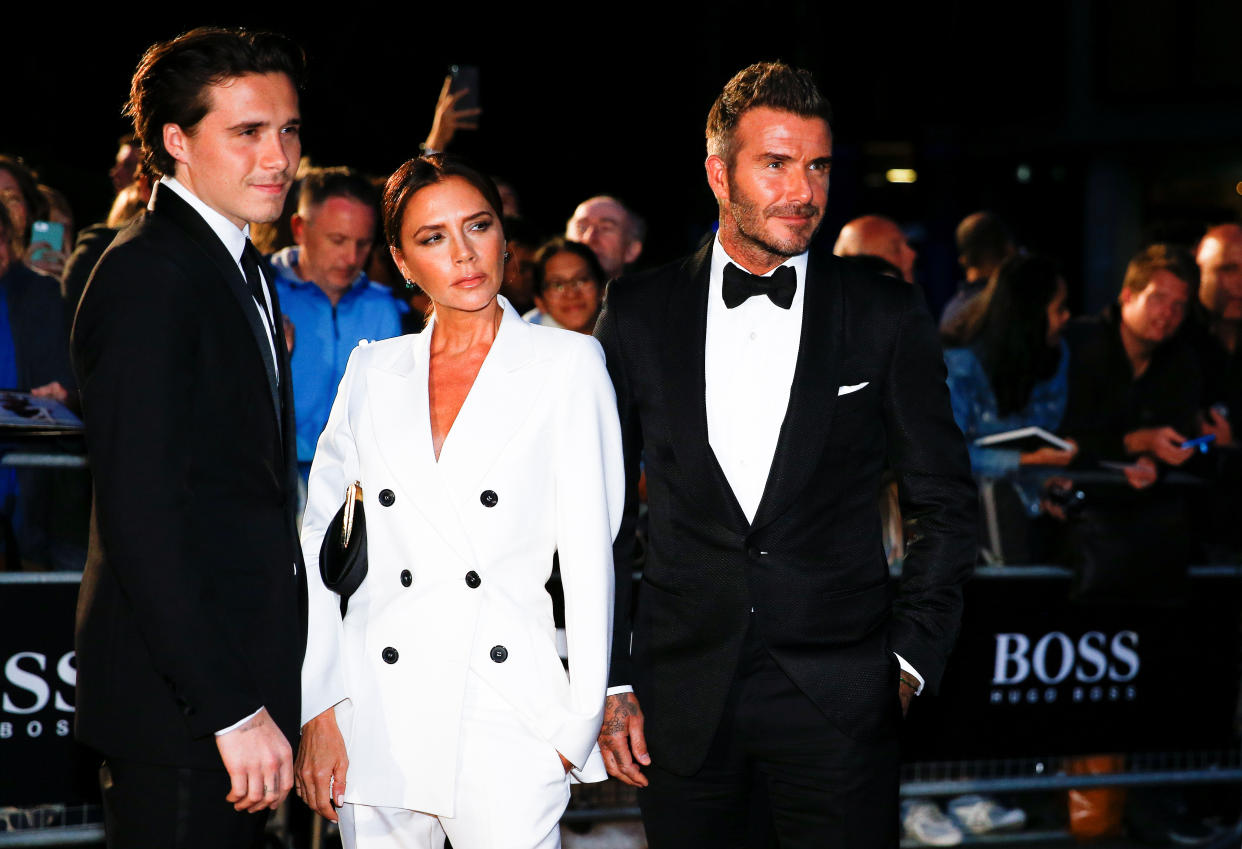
{"type": "Point", "coordinates": [353, 495]}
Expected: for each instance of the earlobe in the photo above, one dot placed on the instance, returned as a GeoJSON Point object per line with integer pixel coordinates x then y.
{"type": "Point", "coordinates": [400, 261]}
{"type": "Point", "coordinates": [633, 250]}
{"type": "Point", "coordinates": [717, 177]}
{"type": "Point", "coordinates": [297, 226]}
{"type": "Point", "coordinates": [174, 142]}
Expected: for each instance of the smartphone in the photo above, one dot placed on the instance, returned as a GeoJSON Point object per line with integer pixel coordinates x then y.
{"type": "Point", "coordinates": [51, 233]}
{"type": "Point", "coordinates": [467, 77]}
{"type": "Point", "coordinates": [1200, 442]}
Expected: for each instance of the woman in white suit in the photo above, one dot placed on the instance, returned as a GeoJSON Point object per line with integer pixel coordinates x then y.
{"type": "Point", "coordinates": [483, 445]}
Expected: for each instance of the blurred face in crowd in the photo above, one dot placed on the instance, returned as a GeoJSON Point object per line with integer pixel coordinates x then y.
{"type": "Point", "coordinates": [896, 249]}
{"type": "Point", "coordinates": [520, 272]}
{"type": "Point", "coordinates": [772, 195]}
{"type": "Point", "coordinates": [6, 251]}
{"type": "Point", "coordinates": [452, 246]}
{"type": "Point", "coordinates": [335, 239]}
{"type": "Point", "coordinates": [1153, 314]}
{"type": "Point", "coordinates": [241, 157]}
{"type": "Point", "coordinates": [875, 235]}
{"type": "Point", "coordinates": [604, 226]}
{"type": "Point", "coordinates": [1058, 314]}
{"type": "Point", "coordinates": [1220, 269]}
{"type": "Point", "coordinates": [122, 172]}
{"type": "Point", "coordinates": [571, 294]}
{"type": "Point", "coordinates": [11, 196]}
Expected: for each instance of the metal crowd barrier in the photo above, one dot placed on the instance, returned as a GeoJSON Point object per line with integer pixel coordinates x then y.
{"type": "Point", "coordinates": [66, 825]}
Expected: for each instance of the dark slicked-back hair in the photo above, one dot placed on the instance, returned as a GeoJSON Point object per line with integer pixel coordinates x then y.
{"type": "Point", "coordinates": [319, 184]}
{"type": "Point", "coordinates": [418, 174]}
{"type": "Point", "coordinates": [774, 85]}
{"type": "Point", "coordinates": [171, 85]}
{"type": "Point", "coordinates": [1161, 257]}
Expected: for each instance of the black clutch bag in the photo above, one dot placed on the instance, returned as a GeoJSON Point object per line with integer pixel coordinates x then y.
{"type": "Point", "coordinates": [343, 553]}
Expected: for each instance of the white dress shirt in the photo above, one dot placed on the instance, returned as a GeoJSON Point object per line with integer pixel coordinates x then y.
{"type": "Point", "coordinates": [748, 367]}
{"type": "Point", "coordinates": [234, 240]}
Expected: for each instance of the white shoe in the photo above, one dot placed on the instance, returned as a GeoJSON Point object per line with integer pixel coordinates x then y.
{"type": "Point", "coordinates": [982, 815]}
{"type": "Point", "coordinates": [926, 823]}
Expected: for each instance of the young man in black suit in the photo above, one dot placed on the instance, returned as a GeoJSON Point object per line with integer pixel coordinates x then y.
{"type": "Point", "coordinates": [766, 387]}
{"type": "Point", "coordinates": [191, 618]}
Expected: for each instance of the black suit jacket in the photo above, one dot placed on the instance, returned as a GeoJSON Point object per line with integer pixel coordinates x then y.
{"type": "Point", "coordinates": [192, 609]}
{"type": "Point", "coordinates": [811, 564]}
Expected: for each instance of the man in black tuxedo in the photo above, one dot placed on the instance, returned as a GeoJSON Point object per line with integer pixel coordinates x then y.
{"type": "Point", "coordinates": [766, 387]}
{"type": "Point", "coordinates": [191, 618]}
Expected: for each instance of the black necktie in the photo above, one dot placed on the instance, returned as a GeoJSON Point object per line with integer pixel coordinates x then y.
{"type": "Point", "coordinates": [254, 280]}
{"type": "Point", "coordinates": [740, 284]}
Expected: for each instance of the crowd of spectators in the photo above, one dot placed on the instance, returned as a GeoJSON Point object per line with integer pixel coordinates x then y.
{"type": "Point", "coordinates": [1126, 391]}
{"type": "Point", "coordinates": [1133, 461]}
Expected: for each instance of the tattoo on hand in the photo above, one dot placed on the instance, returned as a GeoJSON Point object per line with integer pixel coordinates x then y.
{"type": "Point", "coordinates": [617, 713]}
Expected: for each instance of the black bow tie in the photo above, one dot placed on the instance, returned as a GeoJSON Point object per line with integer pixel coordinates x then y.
{"type": "Point", "coordinates": [740, 284]}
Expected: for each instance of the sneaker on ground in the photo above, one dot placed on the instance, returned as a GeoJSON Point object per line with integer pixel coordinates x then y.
{"type": "Point", "coordinates": [982, 815]}
{"type": "Point", "coordinates": [926, 823]}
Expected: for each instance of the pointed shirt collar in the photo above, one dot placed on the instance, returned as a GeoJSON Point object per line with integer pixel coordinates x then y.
{"type": "Point", "coordinates": [234, 239]}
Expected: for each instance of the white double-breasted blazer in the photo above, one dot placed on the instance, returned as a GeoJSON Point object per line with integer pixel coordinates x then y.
{"type": "Point", "coordinates": [459, 552]}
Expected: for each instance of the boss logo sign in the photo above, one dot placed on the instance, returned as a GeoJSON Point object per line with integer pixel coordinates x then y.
{"type": "Point", "coordinates": [34, 683]}
{"type": "Point", "coordinates": [1096, 667]}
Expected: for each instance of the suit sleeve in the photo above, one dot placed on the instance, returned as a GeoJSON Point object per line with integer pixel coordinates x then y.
{"type": "Point", "coordinates": [135, 344]}
{"type": "Point", "coordinates": [334, 468]}
{"type": "Point", "coordinates": [937, 495]}
{"type": "Point", "coordinates": [590, 492]}
{"type": "Point", "coordinates": [625, 548]}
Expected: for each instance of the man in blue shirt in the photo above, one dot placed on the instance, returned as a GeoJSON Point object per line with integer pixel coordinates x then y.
{"type": "Point", "coordinates": [325, 294]}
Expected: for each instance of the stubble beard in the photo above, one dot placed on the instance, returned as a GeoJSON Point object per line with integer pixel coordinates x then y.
{"type": "Point", "coordinates": [748, 221]}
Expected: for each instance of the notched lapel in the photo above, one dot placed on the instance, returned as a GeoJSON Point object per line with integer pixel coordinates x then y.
{"type": "Point", "coordinates": [812, 395]}
{"type": "Point", "coordinates": [401, 422]}
{"type": "Point", "coordinates": [682, 355]}
{"type": "Point", "coordinates": [168, 205]}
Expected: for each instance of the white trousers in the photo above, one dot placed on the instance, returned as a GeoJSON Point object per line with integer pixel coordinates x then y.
{"type": "Point", "coordinates": [511, 790]}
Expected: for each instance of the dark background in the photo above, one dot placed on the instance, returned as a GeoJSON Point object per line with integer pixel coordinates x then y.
{"type": "Point", "coordinates": [1090, 126]}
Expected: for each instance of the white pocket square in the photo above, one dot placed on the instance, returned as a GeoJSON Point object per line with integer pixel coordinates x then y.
{"type": "Point", "coordinates": [846, 390]}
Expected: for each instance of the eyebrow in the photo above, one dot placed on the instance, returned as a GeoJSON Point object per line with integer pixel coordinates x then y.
{"type": "Point", "coordinates": [256, 125]}
{"type": "Point", "coordinates": [440, 226]}
{"type": "Point", "coordinates": [784, 157]}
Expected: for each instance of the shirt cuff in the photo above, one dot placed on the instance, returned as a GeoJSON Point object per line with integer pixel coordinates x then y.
{"type": "Point", "coordinates": [242, 722]}
{"type": "Point", "coordinates": [616, 691]}
{"type": "Point", "coordinates": [906, 667]}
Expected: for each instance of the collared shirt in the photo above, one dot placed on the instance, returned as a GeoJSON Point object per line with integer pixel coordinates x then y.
{"type": "Point", "coordinates": [748, 367]}
{"type": "Point", "coordinates": [323, 338]}
{"type": "Point", "coordinates": [538, 316]}
{"type": "Point", "coordinates": [234, 240]}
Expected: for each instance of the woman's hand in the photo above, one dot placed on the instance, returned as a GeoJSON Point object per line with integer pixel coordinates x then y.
{"type": "Point", "coordinates": [1049, 456]}
{"type": "Point", "coordinates": [319, 774]}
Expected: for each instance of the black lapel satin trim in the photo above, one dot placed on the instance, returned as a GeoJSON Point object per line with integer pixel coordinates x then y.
{"type": "Point", "coordinates": [813, 393]}
{"type": "Point", "coordinates": [166, 204]}
{"type": "Point", "coordinates": [685, 336]}
{"type": "Point", "coordinates": [287, 424]}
